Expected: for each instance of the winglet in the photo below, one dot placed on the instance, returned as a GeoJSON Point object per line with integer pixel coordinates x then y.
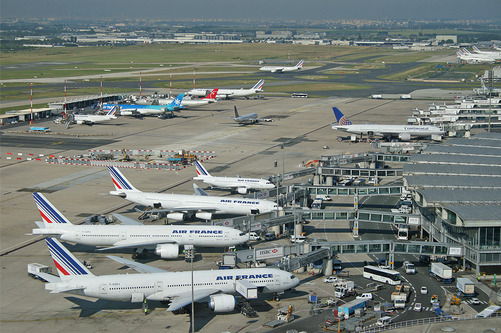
{"type": "Point", "coordinates": [66, 263]}
{"type": "Point", "coordinates": [120, 182]}
{"type": "Point", "coordinates": [201, 171]}
{"type": "Point", "coordinates": [49, 213]}
{"type": "Point", "coordinates": [341, 118]}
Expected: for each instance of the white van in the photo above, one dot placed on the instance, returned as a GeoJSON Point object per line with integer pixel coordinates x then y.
{"type": "Point", "coordinates": [254, 236]}
{"type": "Point", "coordinates": [383, 321]}
{"type": "Point", "coordinates": [298, 239]}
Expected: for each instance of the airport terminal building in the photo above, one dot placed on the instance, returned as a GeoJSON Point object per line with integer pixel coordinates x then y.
{"type": "Point", "coordinates": [457, 190]}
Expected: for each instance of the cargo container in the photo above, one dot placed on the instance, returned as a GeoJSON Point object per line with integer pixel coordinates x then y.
{"type": "Point", "coordinates": [349, 308]}
{"type": "Point", "coordinates": [465, 286]}
{"type": "Point", "coordinates": [441, 272]}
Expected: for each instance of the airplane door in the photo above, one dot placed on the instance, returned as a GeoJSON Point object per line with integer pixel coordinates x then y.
{"type": "Point", "coordinates": [104, 289]}
{"type": "Point", "coordinates": [226, 235]}
{"type": "Point", "coordinates": [124, 235]}
{"type": "Point", "coordinates": [277, 280]}
{"type": "Point", "coordinates": [190, 236]}
{"type": "Point", "coordinates": [160, 286]}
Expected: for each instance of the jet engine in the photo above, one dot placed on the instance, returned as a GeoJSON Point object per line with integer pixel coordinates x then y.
{"type": "Point", "coordinates": [404, 137]}
{"type": "Point", "coordinates": [176, 216]}
{"type": "Point", "coordinates": [222, 303]}
{"type": "Point", "coordinates": [203, 216]}
{"type": "Point", "coordinates": [167, 251]}
{"type": "Point", "coordinates": [242, 190]}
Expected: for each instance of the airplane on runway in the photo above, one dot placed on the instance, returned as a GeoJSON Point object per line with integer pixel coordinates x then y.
{"type": "Point", "coordinates": [401, 132]}
{"type": "Point", "coordinates": [177, 288]}
{"type": "Point", "coordinates": [246, 119]}
{"type": "Point", "coordinates": [183, 207]}
{"type": "Point", "coordinates": [187, 103]}
{"type": "Point", "coordinates": [164, 239]}
{"type": "Point", "coordinates": [139, 110]}
{"type": "Point", "coordinates": [281, 69]}
{"type": "Point", "coordinates": [91, 119]}
{"type": "Point", "coordinates": [230, 93]}
{"type": "Point", "coordinates": [238, 184]}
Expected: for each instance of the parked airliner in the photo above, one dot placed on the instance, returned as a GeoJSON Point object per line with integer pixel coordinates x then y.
{"type": "Point", "coordinates": [164, 239]}
{"type": "Point", "coordinates": [281, 69]}
{"type": "Point", "coordinates": [238, 184]}
{"type": "Point", "coordinates": [401, 132]}
{"type": "Point", "coordinates": [91, 119]}
{"type": "Point", "coordinates": [216, 286]}
{"type": "Point", "coordinates": [185, 207]}
{"type": "Point", "coordinates": [231, 93]}
{"type": "Point", "coordinates": [147, 110]}
{"type": "Point", "coordinates": [187, 103]}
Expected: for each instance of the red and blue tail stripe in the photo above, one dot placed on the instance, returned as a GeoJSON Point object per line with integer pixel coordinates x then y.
{"type": "Point", "coordinates": [66, 263]}
{"type": "Point", "coordinates": [201, 171]}
{"type": "Point", "coordinates": [120, 182]}
{"type": "Point", "coordinates": [49, 213]}
{"type": "Point", "coordinates": [259, 85]}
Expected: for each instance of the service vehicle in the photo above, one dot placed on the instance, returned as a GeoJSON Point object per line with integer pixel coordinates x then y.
{"type": "Point", "coordinates": [441, 272]}
{"type": "Point", "coordinates": [475, 301]}
{"type": "Point", "coordinates": [254, 236]}
{"type": "Point", "coordinates": [409, 267]}
{"type": "Point", "coordinates": [488, 311]}
{"type": "Point", "coordinates": [383, 321]}
{"type": "Point", "coordinates": [418, 307]}
{"type": "Point", "coordinates": [424, 290]}
{"type": "Point", "coordinates": [331, 279]}
{"type": "Point", "coordinates": [384, 275]}
{"type": "Point", "coordinates": [366, 296]}
{"type": "Point", "coordinates": [465, 287]}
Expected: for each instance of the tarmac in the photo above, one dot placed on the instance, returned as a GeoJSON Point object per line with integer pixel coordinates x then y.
{"type": "Point", "coordinates": [303, 124]}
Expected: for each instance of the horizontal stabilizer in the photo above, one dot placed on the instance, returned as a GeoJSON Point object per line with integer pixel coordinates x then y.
{"type": "Point", "coordinates": [199, 191]}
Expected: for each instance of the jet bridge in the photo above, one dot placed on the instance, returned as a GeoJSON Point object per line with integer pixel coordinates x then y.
{"type": "Point", "coordinates": [293, 257]}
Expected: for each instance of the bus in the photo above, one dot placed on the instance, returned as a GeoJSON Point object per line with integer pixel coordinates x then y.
{"type": "Point", "coordinates": [388, 276]}
{"type": "Point", "coordinates": [301, 95]}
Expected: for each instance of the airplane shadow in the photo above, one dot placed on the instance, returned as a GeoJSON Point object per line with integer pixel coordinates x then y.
{"type": "Point", "coordinates": [89, 308]}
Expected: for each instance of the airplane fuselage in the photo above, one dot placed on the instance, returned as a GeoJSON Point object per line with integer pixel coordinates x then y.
{"type": "Point", "coordinates": [162, 286]}
{"type": "Point", "coordinates": [111, 235]}
{"type": "Point", "coordinates": [91, 118]}
{"type": "Point", "coordinates": [389, 130]}
{"type": "Point", "coordinates": [236, 182]}
{"type": "Point", "coordinates": [184, 202]}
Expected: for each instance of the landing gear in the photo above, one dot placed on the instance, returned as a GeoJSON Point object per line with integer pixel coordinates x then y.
{"type": "Point", "coordinates": [276, 297]}
{"type": "Point", "coordinates": [141, 254]}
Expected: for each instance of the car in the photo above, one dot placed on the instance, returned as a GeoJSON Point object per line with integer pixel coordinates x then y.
{"type": "Point", "coordinates": [475, 301]}
{"type": "Point", "coordinates": [366, 296]}
{"type": "Point", "coordinates": [418, 307]}
{"type": "Point", "coordinates": [331, 279]}
{"type": "Point", "coordinates": [424, 290]}
{"type": "Point", "coordinates": [270, 236]}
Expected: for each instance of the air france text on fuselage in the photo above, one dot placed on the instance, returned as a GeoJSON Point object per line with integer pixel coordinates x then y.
{"type": "Point", "coordinates": [244, 277]}
{"type": "Point", "coordinates": [214, 232]}
{"type": "Point", "coordinates": [240, 201]}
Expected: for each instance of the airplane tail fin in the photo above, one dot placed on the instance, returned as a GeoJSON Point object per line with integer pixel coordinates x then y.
{"type": "Point", "coordinates": [201, 171]}
{"type": "Point", "coordinates": [212, 94]}
{"type": "Point", "coordinates": [113, 110]}
{"type": "Point", "coordinates": [49, 213]}
{"type": "Point", "coordinates": [483, 83]}
{"type": "Point", "coordinates": [465, 51]}
{"type": "Point", "coordinates": [341, 118]}
{"type": "Point", "coordinates": [66, 263]}
{"type": "Point", "coordinates": [300, 64]}
{"type": "Point", "coordinates": [476, 49]}
{"type": "Point", "coordinates": [176, 103]}
{"type": "Point", "coordinates": [259, 85]}
{"type": "Point", "coordinates": [236, 112]}
{"type": "Point", "coordinates": [120, 182]}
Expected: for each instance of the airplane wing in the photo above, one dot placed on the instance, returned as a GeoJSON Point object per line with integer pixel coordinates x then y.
{"type": "Point", "coordinates": [127, 220]}
{"type": "Point", "coordinates": [127, 244]}
{"type": "Point", "coordinates": [199, 191]}
{"type": "Point", "coordinates": [182, 299]}
{"type": "Point", "coordinates": [142, 268]}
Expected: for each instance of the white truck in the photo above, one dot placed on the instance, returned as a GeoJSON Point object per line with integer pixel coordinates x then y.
{"type": "Point", "coordinates": [34, 269]}
{"type": "Point", "coordinates": [441, 272]}
{"type": "Point", "coordinates": [465, 286]}
{"type": "Point", "coordinates": [343, 288]}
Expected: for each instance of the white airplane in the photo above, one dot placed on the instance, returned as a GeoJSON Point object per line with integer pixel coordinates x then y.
{"type": "Point", "coordinates": [469, 57]}
{"type": "Point", "coordinates": [210, 98]}
{"type": "Point", "coordinates": [495, 54]}
{"type": "Point", "coordinates": [246, 119]}
{"type": "Point", "coordinates": [401, 132]}
{"type": "Point", "coordinates": [216, 286]}
{"type": "Point", "coordinates": [164, 239]}
{"type": "Point", "coordinates": [182, 207]}
{"type": "Point", "coordinates": [147, 110]}
{"type": "Point", "coordinates": [91, 119]}
{"type": "Point", "coordinates": [230, 93]}
{"type": "Point", "coordinates": [281, 69]}
{"type": "Point", "coordinates": [239, 184]}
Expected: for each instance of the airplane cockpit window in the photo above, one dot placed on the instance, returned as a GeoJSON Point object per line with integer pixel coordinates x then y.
{"type": "Point", "coordinates": [242, 234]}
